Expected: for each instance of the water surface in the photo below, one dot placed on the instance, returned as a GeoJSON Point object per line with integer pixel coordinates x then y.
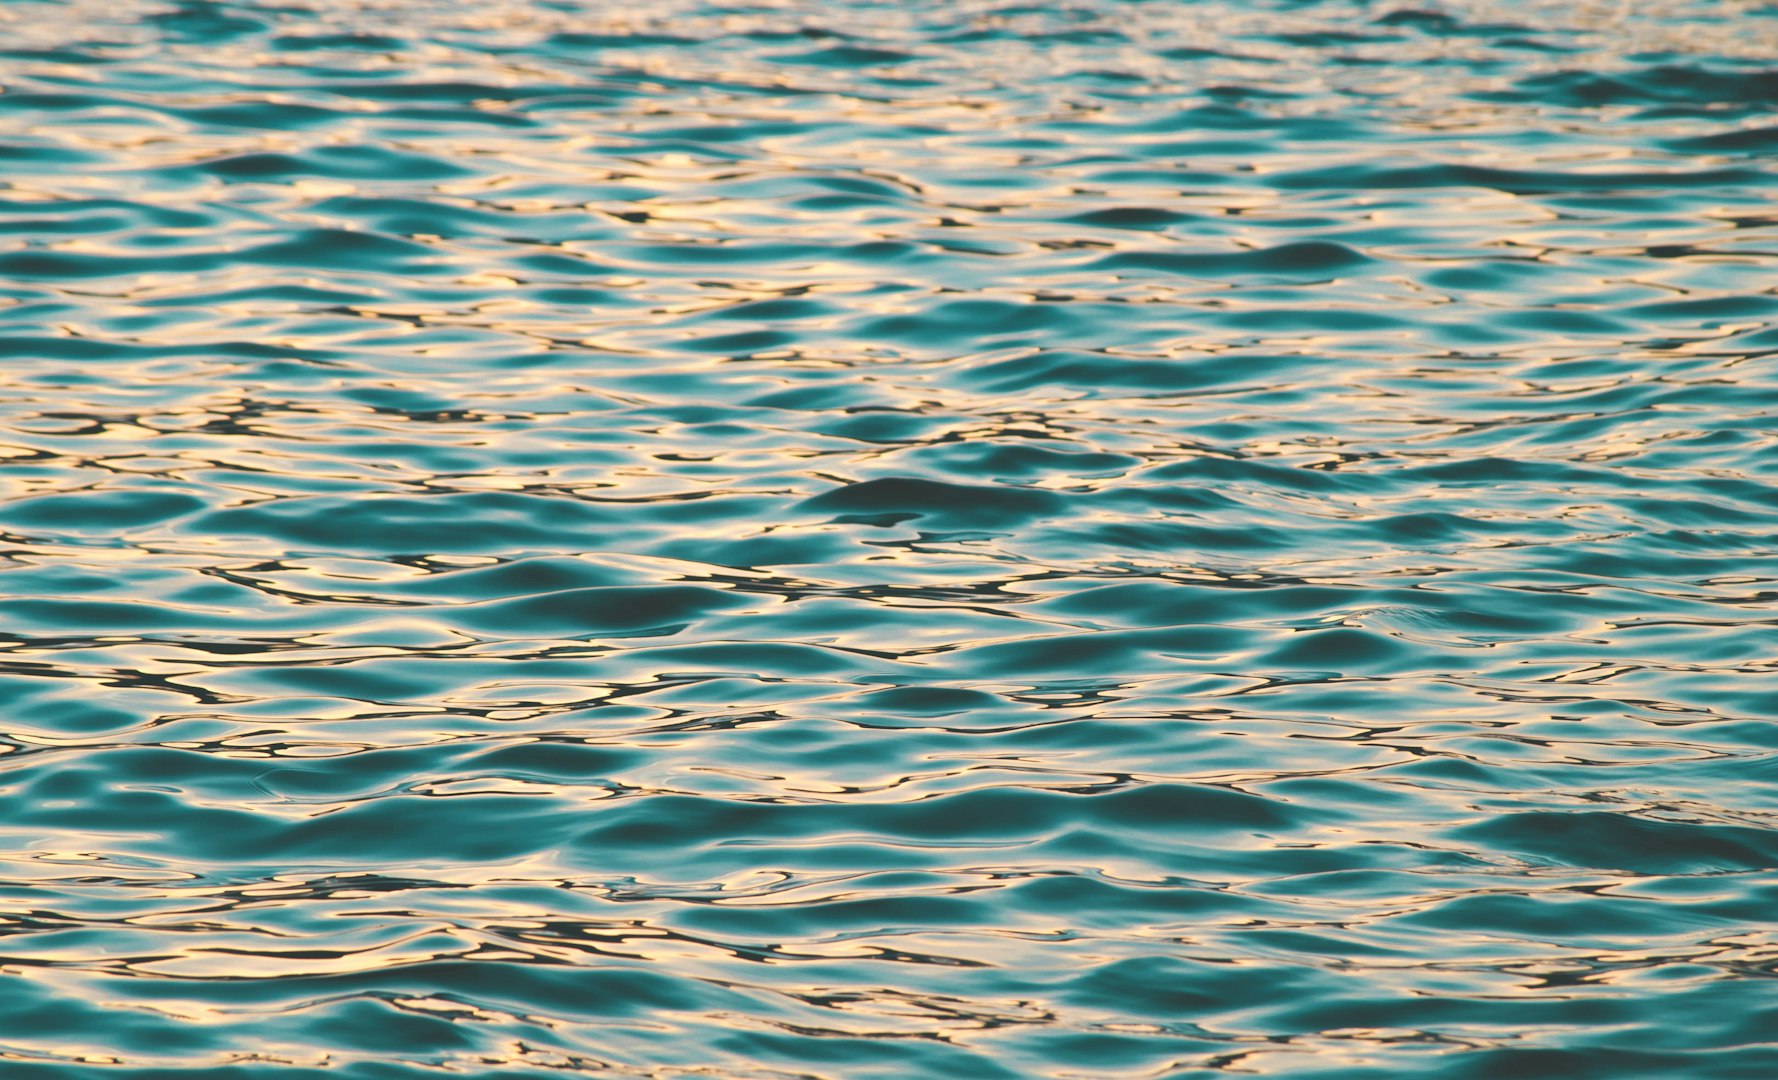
{"type": "Point", "coordinates": [853, 540]}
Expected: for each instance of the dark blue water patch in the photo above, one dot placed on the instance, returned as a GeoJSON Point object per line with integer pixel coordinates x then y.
{"type": "Point", "coordinates": [1693, 86]}
{"type": "Point", "coordinates": [101, 511]}
{"type": "Point", "coordinates": [341, 162]}
{"type": "Point", "coordinates": [622, 40]}
{"type": "Point", "coordinates": [462, 92]}
{"type": "Point", "coordinates": [394, 524]}
{"type": "Point", "coordinates": [266, 115]}
{"type": "Point", "coordinates": [955, 503]}
{"type": "Point", "coordinates": [52, 102]}
{"type": "Point", "coordinates": [845, 56]}
{"type": "Point", "coordinates": [1751, 140]}
{"type": "Point", "coordinates": [1308, 257]}
{"type": "Point", "coordinates": [309, 42]}
{"type": "Point", "coordinates": [595, 611]}
{"type": "Point", "coordinates": [204, 21]}
{"type": "Point", "coordinates": [1145, 218]}
{"type": "Point", "coordinates": [1513, 182]}
{"type": "Point", "coordinates": [86, 53]}
{"type": "Point", "coordinates": [1442, 23]}
{"type": "Point", "coordinates": [342, 249]}
{"type": "Point", "coordinates": [25, 154]}
{"type": "Point", "coordinates": [1641, 845]}
{"type": "Point", "coordinates": [1327, 38]}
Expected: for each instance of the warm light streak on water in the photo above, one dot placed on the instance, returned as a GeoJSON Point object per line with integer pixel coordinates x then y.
{"type": "Point", "coordinates": [967, 539]}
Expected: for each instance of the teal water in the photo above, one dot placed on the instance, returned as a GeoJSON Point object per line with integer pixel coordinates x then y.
{"type": "Point", "coordinates": [851, 540]}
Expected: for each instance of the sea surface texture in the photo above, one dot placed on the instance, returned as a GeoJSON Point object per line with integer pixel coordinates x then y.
{"type": "Point", "coordinates": [883, 541]}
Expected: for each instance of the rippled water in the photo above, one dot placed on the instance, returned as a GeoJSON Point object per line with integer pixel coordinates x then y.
{"type": "Point", "coordinates": [858, 540]}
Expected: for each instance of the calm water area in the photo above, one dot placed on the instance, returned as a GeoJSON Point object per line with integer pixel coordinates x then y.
{"type": "Point", "coordinates": [970, 539]}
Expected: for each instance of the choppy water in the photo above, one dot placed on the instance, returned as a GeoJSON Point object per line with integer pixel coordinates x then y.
{"type": "Point", "coordinates": [863, 540]}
